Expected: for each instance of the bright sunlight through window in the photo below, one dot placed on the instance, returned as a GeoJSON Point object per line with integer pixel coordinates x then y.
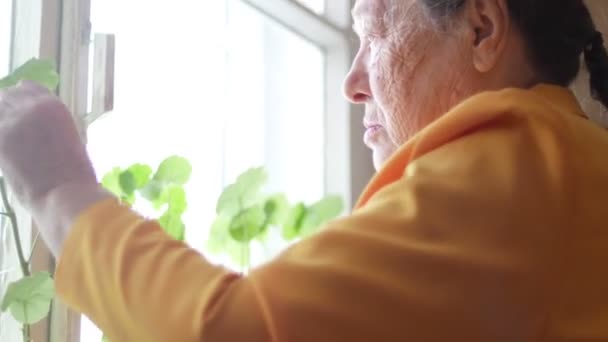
{"type": "Point", "coordinates": [216, 82]}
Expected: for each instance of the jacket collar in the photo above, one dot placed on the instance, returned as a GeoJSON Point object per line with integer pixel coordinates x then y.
{"type": "Point", "coordinates": [465, 117]}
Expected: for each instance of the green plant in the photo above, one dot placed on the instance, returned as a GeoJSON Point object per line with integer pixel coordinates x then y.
{"type": "Point", "coordinates": [246, 214]}
{"type": "Point", "coordinates": [163, 190]}
{"type": "Point", "coordinates": [29, 298]}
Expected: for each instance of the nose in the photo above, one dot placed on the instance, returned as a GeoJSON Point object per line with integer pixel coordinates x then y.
{"type": "Point", "coordinates": [356, 84]}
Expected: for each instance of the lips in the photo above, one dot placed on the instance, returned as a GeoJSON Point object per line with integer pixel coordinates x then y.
{"type": "Point", "coordinates": [372, 132]}
{"type": "Point", "coordinates": [373, 128]}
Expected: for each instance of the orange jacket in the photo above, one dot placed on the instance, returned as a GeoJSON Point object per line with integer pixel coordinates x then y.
{"type": "Point", "coordinates": [490, 225]}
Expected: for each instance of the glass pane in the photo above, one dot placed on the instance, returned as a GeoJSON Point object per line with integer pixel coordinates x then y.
{"type": "Point", "coordinates": [169, 93]}
{"type": "Point", "coordinates": [317, 6]}
{"type": "Point", "coordinates": [220, 84]}
{"type": "Point", "coordinates": [278, 120]}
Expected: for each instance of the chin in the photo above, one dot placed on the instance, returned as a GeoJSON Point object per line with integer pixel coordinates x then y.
{"type": "Point", "coordinates": [380, 156]}
{"type": "Point", "coordinates": [377, 165]}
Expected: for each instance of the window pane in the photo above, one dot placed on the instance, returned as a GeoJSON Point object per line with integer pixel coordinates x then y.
{"type": "Point", "coordinates": [277, 120]}
{"type": "Point", "coordinates": [317, 6]}
{"type": "Point", "coordinates": [169, 97]}
{"type": "Point", "coordinates": [220, 84]}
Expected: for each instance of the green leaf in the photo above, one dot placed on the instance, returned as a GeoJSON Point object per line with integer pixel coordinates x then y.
{"type": "Point", "coordinates": [176, 170]}
{"type": "Point", "coordinates": [176, 198]}
{"type": "Point", "coordinates": [155, 192]}
{"type": "Point", "coordinates": [110, 182]}
{"type": "Point", "coordinates": [248, 224]}
{"type": "Point", "coordinates": [219, 235]}
{"type": "Point", "coordinates": [152, 191]}
{"type": "Point", "coordinates": [293, 221]}
{"type": "Point", "coordinates": [328, 207]}
{"type": "Point", "coordinates": [29, 299]}
{"type": "Point", "coordinates": [243, 193]}
{"type": "Point", "coordinates": [251, 181]}
{"type": "Point", "coordinates": [263, 234]}
{"type": "Point", "coordinates": [104, 338]}
{"type": "Point", "coordinates": [229, 203]}
{"type": "Point", "coordinates": [127, 182]}
{"type": "Point", "coordinates": [141, 174]}
{"type": "Point", "coordinates": [173, 225]}
{"type": "Point", "coordinates": [41, 71]}
{"type": "Point", "coordinates": [120, 183]}
{"type": "Point", "coordinates": [319, 213]}
{"type": "Point", "coordinates": [276, 209]}
{"type": "Point", "coordinates": [221, 242]}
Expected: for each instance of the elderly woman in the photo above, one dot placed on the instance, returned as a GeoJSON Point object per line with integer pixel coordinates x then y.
{"type": "Point", "coordinates": [486, 220]}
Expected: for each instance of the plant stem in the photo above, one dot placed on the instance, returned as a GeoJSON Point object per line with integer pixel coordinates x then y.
{"type": "Point", "coordinates": [25, 265]}
{"type": "Point", "coordinates": [25, 268]}
{"type": "Point", "coordinates": [26, 333]}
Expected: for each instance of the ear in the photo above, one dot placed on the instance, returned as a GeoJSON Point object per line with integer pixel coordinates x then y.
{"type": "Point", "coordinates": [488, 30]}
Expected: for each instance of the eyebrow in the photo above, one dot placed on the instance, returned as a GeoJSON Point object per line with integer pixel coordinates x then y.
{"type": "Point", "coordinates": [360, 19]}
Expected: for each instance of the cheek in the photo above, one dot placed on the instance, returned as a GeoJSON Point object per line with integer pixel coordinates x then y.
{"type": "Point", "coordinates": [394, 81]}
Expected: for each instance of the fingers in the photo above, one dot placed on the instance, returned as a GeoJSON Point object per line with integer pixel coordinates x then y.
{"type": "Point", "coordinates": [6, 105]}
{"type": "Point", "coordinates": [22, 95]}
{"type": "Point", "coordinates": [22, 89]}
{"type": "Point", "coordinates": [33, 87]}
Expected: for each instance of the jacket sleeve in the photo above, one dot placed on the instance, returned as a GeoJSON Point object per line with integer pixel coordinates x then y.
{"type": "Point", "coordinates": [461, 248]}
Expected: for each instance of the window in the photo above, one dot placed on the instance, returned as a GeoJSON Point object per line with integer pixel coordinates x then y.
{"type": "Point", "coordinates": [248, 83]}
{"type": "Point", "coordinates": [22, 37]}
{"type": "Point", "coordinates": [263, 76]}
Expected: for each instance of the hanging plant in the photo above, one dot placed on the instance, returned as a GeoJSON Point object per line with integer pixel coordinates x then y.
{"type": "Point", "coordinates": [29, 298]}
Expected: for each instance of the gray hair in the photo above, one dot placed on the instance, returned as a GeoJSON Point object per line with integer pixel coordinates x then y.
{"type": "Point", "coordinates": [556, 35]}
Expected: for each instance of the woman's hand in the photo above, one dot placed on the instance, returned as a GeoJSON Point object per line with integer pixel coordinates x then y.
{"type": "Point", "coordinates": [43, 159]}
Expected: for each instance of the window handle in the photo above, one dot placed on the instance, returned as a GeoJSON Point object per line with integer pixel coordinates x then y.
{"type": "Point", "coordinates": [103, 77]}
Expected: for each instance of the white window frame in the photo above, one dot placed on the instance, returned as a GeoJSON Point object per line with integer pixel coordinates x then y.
{"type": "Point", "coordinates": [35, 33]}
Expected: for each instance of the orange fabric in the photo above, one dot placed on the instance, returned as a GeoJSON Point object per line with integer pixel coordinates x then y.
{"type": "Point", "coordinates": [489, 225]}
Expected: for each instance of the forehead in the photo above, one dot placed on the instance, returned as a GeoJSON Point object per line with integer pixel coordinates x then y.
{"type": "Point", "coordinates": [377, 11]}
{"type": "Point", "coordinates": [366, 8]}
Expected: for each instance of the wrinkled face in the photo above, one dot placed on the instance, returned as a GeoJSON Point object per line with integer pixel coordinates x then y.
{"type": "Point", "coordinates": [407, 72]}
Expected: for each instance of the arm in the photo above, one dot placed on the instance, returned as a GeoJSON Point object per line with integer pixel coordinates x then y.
{"type": "Point", "coordinates": [462, 248]}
